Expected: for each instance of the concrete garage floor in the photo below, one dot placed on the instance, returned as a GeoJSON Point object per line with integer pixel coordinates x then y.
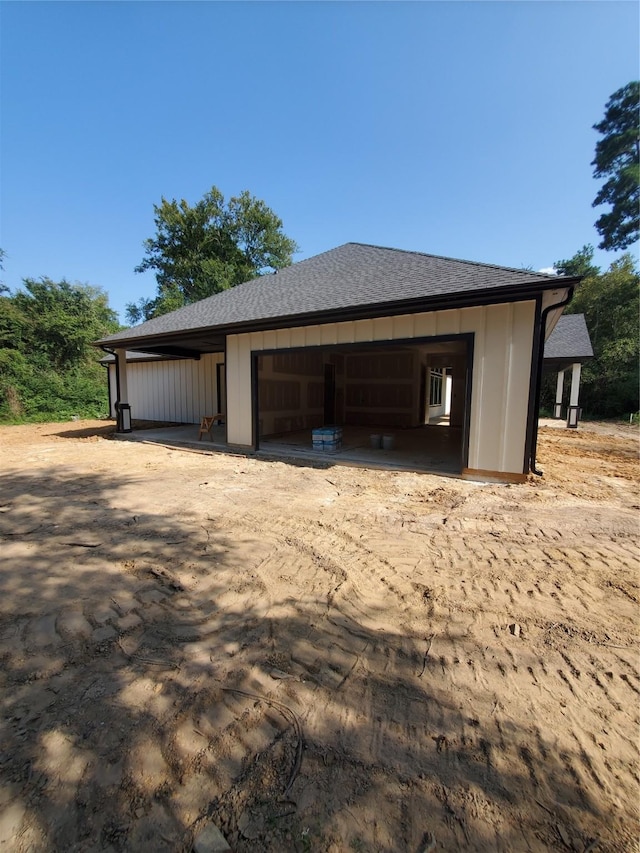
{"type": "Point", "coordinates": [430, 448]}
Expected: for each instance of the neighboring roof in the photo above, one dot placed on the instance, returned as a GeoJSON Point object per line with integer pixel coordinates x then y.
{"type": "Point", "coordinates": [353, 276]}
{"type": "Point", "coordinates": [570, 340]}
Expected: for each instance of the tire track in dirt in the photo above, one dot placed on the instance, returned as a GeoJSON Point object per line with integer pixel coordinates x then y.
{"type": "Point", "coordinates": [511, 595]}
{"type": "Point", "coordinates": [358, 574]}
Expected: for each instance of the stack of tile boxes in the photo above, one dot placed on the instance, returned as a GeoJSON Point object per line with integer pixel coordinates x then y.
{"type": "Point", "coordinates": [327, 439]}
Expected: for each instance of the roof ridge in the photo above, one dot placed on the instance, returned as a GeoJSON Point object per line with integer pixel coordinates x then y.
{"type": "Point", "coordinates": [345, 280]}
{"type": "Point", "coordinates": [457, 260]}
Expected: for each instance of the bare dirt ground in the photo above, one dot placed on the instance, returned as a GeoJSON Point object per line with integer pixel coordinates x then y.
{"type": "Point", "coordinates": [149, 596]}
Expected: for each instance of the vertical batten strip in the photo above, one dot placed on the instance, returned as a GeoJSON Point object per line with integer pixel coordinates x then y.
{"type": "Point", "coordinates": [508, 371]}
{"type": "Point", "coordinates": [475, 427]}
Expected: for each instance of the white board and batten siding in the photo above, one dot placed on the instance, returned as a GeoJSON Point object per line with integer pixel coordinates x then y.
{"type": "Point", "coordinates": [503, 337]}
{"type": "Point", "coordinates": [181, 391]}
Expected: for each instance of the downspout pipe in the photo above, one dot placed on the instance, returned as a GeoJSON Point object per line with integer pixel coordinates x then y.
{"type": "Point", "coordinates": [113, 353]}
{"type": "Point", "coordinates": [536, 410]}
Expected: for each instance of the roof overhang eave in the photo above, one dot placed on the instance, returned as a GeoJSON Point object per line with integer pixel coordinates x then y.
{"type": "Point", "coordinates": [463, 299]}
{"type": "Point", "coordinates": [563, 362]}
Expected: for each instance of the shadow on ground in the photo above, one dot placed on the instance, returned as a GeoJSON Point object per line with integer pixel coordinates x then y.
{"type": "Point", "coordinates": [109, 429]}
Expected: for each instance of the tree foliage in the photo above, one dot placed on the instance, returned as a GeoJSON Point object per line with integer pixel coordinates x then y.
{"type": "Point", "coordinates": [3, 286]}
{"type": "Point", "coordinates": [207, 248]}
{"type": "Point", "coordinates": [48, 368]}
{"type": "Point", "coordinates": [580, 264]}
{"type": "Point", "coordinates": [617, 159]}
{"type": "Point", "coordinates": [610, 302]}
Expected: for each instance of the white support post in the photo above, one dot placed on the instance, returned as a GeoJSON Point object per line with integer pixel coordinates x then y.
{"type": "Point", "coordinates": [575, 383]}
{"type": "Point", "coordinates": [573, 415]}
{"type": "Point", "coordinates": [557, 409]}
{"type": "Point", "coordinates": [122, 390]}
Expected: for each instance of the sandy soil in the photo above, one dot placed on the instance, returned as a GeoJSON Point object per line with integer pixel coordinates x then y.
{"type": "Point", "coordinates": [315, 659]}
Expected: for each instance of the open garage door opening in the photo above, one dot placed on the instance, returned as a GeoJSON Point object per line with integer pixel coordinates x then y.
{"type": "Point", "coordinates": [398, 403]}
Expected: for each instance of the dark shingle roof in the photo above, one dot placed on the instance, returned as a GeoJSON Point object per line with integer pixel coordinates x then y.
{"type": "Point", "coordinates": [569, 340]}
{"type": "Point", "coordinates": [350, 276]}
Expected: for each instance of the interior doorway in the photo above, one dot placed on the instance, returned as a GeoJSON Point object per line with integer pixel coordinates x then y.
{"type": "Point", "coordinates": [221, 388]}
{"type": "Point", "coordinates": [329, 393]}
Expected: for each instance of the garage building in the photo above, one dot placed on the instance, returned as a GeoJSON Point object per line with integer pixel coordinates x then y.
{"type": "Point", "coordinates": [442, 356]}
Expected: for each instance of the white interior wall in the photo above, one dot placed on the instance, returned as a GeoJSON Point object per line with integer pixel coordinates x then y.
{"type": "Point", "coordinates": [441, 409]}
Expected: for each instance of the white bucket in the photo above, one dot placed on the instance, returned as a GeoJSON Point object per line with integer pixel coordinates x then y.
{"type": "Point", "coordinates": [388, 442]}
{"type": "Point", "coordinates": [375, 441]}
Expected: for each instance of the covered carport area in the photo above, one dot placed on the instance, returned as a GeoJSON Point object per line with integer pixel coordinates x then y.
{"type": "Point", "coordinates": [567, 348]}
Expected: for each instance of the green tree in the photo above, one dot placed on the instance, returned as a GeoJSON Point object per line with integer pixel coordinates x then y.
{"type": "Point", "coordinates": [48, 367]}
{"type": "Point", "coordinates": [207, 248]}
{"type": "Point", "coordinates": [617, 159]}
{"type": "Point", "coordinates": [610, 302]}
{"type": "Point", "coordinates": [3, 286]}
{"type": "Point", "coordinates": [63, 319]}
{"type": "Point", "coordinates": [580, 264]}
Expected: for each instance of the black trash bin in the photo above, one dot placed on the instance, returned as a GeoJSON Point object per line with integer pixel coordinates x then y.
{"type": "Point", "coordinates": [574, 413]}
{"type": "Point", "coordinates": [123, 417]}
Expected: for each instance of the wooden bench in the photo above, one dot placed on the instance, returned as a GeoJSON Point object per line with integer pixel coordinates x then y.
{"type": "Point", "coordinates": [206, 425]}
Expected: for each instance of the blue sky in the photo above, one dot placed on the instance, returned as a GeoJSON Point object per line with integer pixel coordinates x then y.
{"type": "Point", "coordinates": [454, 128]}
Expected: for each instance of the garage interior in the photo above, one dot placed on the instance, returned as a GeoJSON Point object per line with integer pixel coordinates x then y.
{"type": "Point", "coordinates": [404, 405]}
